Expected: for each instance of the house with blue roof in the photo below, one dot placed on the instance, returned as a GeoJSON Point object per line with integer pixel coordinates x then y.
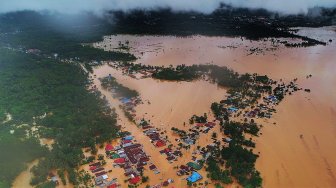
{"type": "Point", "coordinates": [194, 177]}
{"type": "Point", "coordinates": [125, 100]}
{"type": "Point", "coordinates": [232, 109]}
{"type": "Point", "coordinates": [128, 137]}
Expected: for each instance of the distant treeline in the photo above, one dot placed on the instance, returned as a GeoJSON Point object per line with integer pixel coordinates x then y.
{"type": "Point", "coordinates": [225, 21]}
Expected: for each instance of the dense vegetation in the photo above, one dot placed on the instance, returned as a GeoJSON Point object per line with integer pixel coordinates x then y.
{"type": "Point", "coordinates": [39, 89]}
{"type": "Point", "coordinates": [198, 119]}
{"type": "Point", "coordinates": [236, 160]}
{"type": "Point", "coordinates": [216, 173]}
{"type": "Point", "coordinates": [223, 76]}
{"type": "Point", "coordinates": [241, 161]}
{"type": "Point", "coordinates": [17, 149]}
{"type": "Point", "coordinates": [180, 73]}
{"type": "Point", "coordinates": [120, 91]}
{"type": "Point", "coordinates": [33, 86]}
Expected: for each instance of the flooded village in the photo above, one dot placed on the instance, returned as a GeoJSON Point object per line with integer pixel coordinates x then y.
{"type": "Point", "coordinates": [169, 128]}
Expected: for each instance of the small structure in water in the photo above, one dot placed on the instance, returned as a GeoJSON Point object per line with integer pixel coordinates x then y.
{"type": "Point", "coordinates": [195, 166]}
{"type": "Point", "coordinates": [125, 100]}
{"type": "Point", "coordinates": [194, 177]}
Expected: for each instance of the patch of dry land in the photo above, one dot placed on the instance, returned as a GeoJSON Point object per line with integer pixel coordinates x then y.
{"type": "Point", "coordinates": [297, 145]}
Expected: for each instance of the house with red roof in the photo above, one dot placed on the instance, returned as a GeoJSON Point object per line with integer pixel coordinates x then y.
{"type": "Point", "coordinates": [199, 124]}
{"type": "Point", "coordinates": [93, 168]}
{"type": "Point", "coordinates": [112, 186]}
{"type": "Point", "coordinates": [210, 124]}
{"type": "Point", "coordinates": [126, 141]}
{"type": "Point", "coordinates": [119, 160]}
{"type": "Point", "coordinates": [109, 147]}
{"type": "Point", "coordinates": [135, 180]}
{"type": "Point", "coordinates": [160, 143]}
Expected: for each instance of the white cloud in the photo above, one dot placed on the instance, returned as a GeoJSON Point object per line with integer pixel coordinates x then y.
{"type": "Point", "coordinates": [205, 6]}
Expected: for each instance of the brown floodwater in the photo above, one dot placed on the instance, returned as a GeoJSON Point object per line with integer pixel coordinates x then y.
{"type": "Point", "coordinates": [286, 159]}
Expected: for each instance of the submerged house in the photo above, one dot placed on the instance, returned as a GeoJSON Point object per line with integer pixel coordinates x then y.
{"type": "Point", "coordinates": [189, 141]}
{"type": "Point", "coordinates": [227, 140]}
{"type": "Point", "coordinates": [99, 180]}
{"type": "Point", "coordinates": [232, 109]}
{"type": "Point", "coordinates": [125, 100]}
{"type": "Point", "coordinates": [115, 156]}
{"type": "Point", "coordinates": [194, 165]}
{"type": "Point", "coordinates": [272, 98]}
{"type": "Point", "coordinates": [109, 147]}
{"type": "Point", "coordinates": [135, 180]}
{"type": "Point", "coordinates": [128, 137]}
{"type": "Point", "coordinates": [194, 177]}
{"type": "Point", "coordinates": [119, 160]}
{"type": "Point", "coordinates": [160, 143]}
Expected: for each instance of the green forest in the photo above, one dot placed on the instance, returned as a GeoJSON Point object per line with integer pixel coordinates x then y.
{"type": "Point", "coordinates": [43, 86]}
{"type": "Point", "coordinates": [32, 86]}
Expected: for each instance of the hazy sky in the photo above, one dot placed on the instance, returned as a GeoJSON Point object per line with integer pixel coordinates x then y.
{"type": "Point", "coordinates": [205, 6]}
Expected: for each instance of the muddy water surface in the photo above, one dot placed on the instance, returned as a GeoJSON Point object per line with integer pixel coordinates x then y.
{"type": "Point", "coordinates": [286, 159]}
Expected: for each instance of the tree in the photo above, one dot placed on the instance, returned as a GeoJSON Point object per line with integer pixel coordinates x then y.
{"type": "Point", "coordinates": [144, 179]}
